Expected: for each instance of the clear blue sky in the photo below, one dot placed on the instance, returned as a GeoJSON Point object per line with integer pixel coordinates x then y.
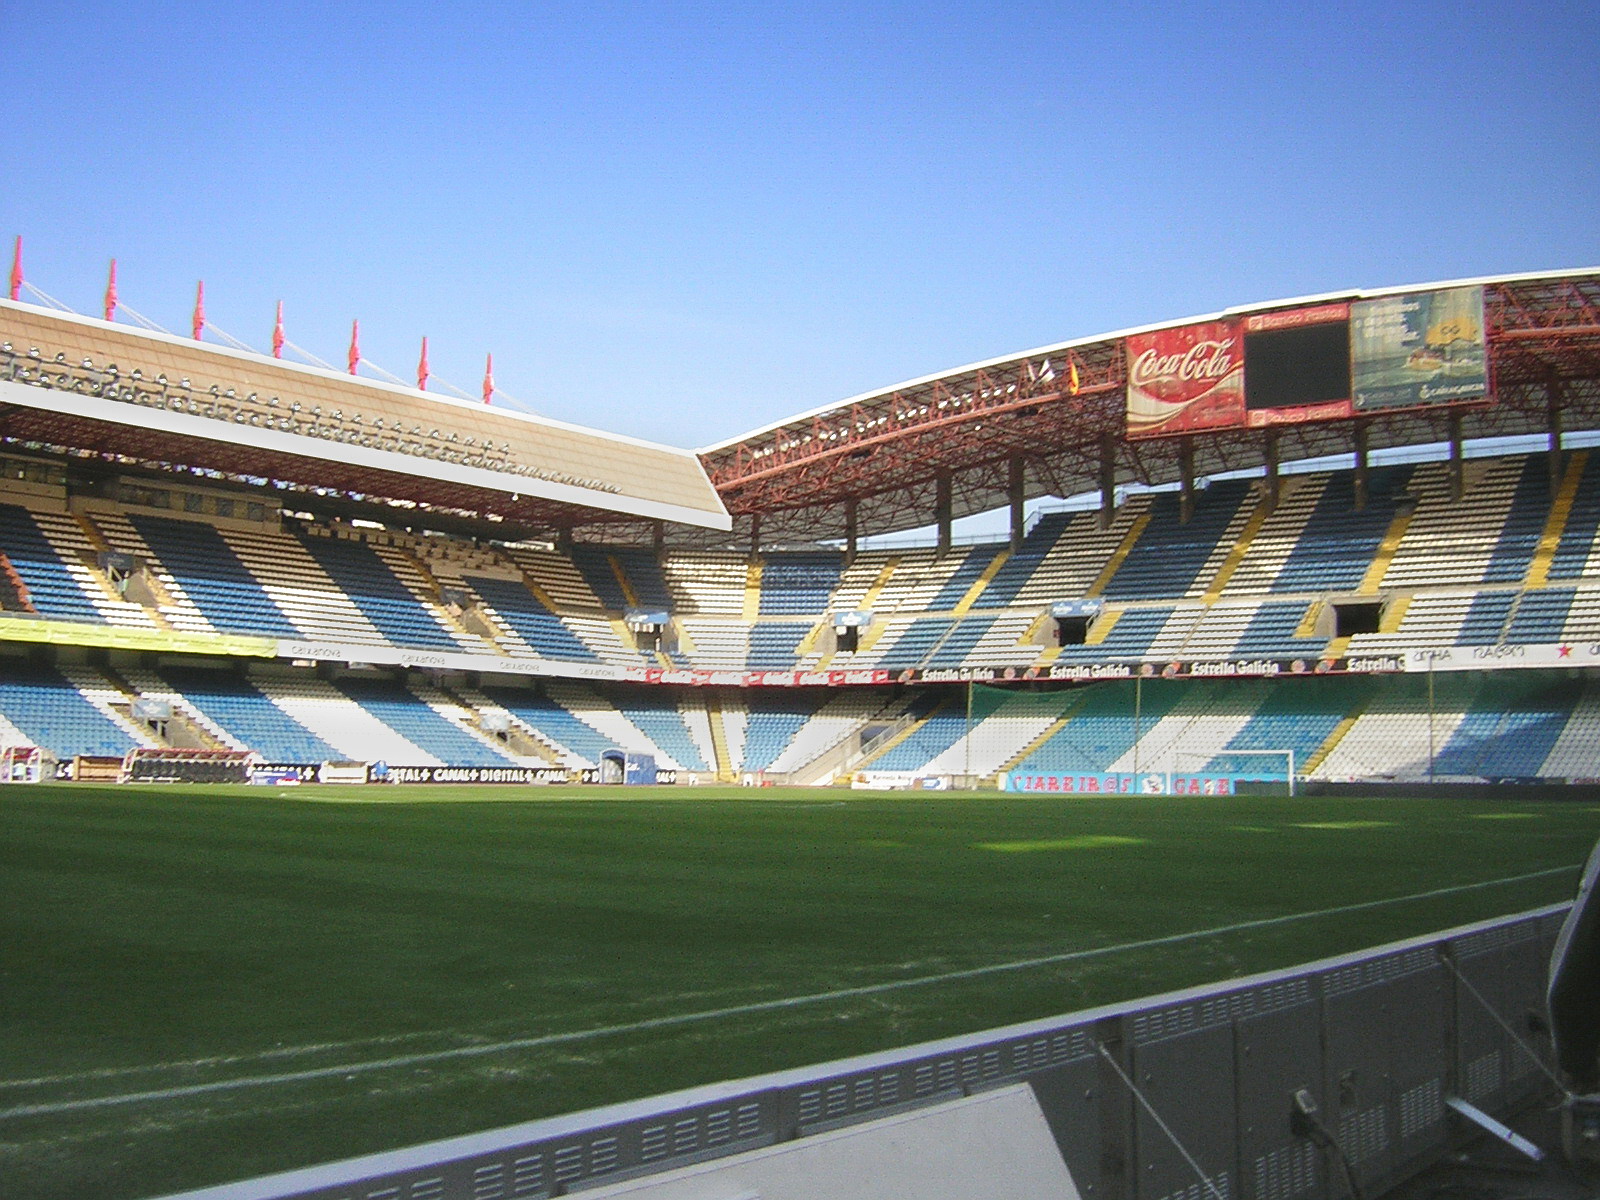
{"type": "Point", "coordinates": [683, 221]}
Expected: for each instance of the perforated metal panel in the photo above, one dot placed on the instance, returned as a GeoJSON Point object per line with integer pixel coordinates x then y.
{"type": "Point", "coordinates": [1189, 1079]}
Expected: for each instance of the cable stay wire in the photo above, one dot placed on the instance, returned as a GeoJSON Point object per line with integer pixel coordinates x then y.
{"type": "Point", "coordinates": [230, 340]}
{"type": "Point", "coordinates": [1520, 1042]}
{"type": "Point", "coordinates": [141, 319]}
{"type": "Point", "coordinates": [49, 299]}
{"type": "Point", "coordinates": [1205, 1179]}
{"type": "Point", "coordinates": [309, 357]}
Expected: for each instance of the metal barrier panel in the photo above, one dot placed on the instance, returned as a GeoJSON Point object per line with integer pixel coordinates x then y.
{"type": "Point", "coordinates": [1179, 1097]}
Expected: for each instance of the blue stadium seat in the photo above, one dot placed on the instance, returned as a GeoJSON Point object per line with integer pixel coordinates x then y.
{"type": "Point", "coordinates": [531, 620]}
{"type": "Point", "coordinates": [211, 575]}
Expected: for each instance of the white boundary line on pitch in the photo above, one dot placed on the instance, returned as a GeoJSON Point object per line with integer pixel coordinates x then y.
{"type": "Point", "coordinates": [421, 1058]}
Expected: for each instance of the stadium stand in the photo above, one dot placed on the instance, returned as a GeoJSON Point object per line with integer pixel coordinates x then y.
{"type": "Point", "coordinates": [241, 712]}
{"type": "Point", "coordinates": [68, 716]}
{"type": "Point", "coordinates": [1574, 555]}
{"type": "Point", "coordinates": [1505, 567]}
{"type": "Point", "coordinates": [49, 556]}
{"type": "Point", "coordinates": [799, 584]}
{"type": "Point", "coordinates": [535, 628]}
{"type": "Point", "coordinates": [200, 562]}
{"type": "Point", "coordinates": [1099, 729]}
{"type": "Point", "coordinates": [392, 604]}
{"type": "Point", "coordinates": [1171, 556]}
{"type": "Point", "coordinates": [1336, 545]}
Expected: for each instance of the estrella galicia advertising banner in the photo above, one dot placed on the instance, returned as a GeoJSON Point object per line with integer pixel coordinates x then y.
{"type": "Point", "coordinates": [1417, 350]}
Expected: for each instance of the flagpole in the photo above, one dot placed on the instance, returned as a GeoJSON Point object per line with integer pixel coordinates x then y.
{"type": "Point", "coordinates": [111, 293]}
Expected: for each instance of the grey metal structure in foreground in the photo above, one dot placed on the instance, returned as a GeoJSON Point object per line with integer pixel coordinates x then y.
{"type": "Point", "coordinates": [1378, 1040]}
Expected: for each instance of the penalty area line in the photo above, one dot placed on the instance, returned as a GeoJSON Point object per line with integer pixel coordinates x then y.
{"type": "Point", "coordinates": [429, 1057]}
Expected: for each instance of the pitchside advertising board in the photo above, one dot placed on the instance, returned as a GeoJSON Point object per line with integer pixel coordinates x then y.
{"type": "Point", "coordinates": [1324, 362]}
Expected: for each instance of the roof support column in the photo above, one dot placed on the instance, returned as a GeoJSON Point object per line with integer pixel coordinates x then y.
{"type": "Point", "coordinates": [1362, 452]}
{"type": "Point", "coordinates": [1458, 478]}
{"type": "Point", "coordinates": [658, 539]}
{"type": "Point", "coordinates": [1185, 478]}
{"type": "Point", "coordinates": [850, 531]}
{"type": "Point", "coordinates": [1270, 453]}
{"type": "Point", "coordinates": [1015, 492]}
{"type": "Point", "coordinates": [755, 535]}
{"type": "Point", "coordinates": [1108, 479]}
{"type": "Point", "coordinates": [1553, 409]}
{"type": "Point", "coordinates": [943, 509]}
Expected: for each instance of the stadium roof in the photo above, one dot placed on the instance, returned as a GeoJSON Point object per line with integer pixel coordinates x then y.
{"type": "Point", "coordinates": [1059, 410]}
{"type": "Point", "coordinates": [1049, 421]}
{"type": "Point", "coordinates": [83, 385]}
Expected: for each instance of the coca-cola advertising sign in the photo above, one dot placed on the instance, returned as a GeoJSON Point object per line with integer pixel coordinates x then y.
{"type": "Point", "coordinates": [1185, 380]}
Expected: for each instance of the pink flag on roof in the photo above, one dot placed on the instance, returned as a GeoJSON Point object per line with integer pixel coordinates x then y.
{"type": "Point", "coordinates": [16, 269]}
{"type": "Point", "coordinates": [355, 348]}
{"type": "Point", "coordinates": [111, 293]}
{"type": "Point", "coordinates": [488, 379]}
{"type": "Point", "coordinates": [199, 325]}
{"type": "Point", "coordinates": [422, 368]}
{"type": "Point", "coordinates": [277, 333]}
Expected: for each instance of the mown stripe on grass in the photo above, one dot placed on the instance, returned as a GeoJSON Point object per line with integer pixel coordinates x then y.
{"type": "Point", "coordinates": [1504, 816]}
{"type": "Point", "coordinates": [1088, 841]}
{"type": "Point", "coordinates": [1345, 824]}
{"type": "Point", "coordinates": [350, 1070]}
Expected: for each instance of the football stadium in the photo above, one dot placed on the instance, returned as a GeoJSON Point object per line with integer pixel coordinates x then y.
{"type": "Point", "coordinates": [413, 797]}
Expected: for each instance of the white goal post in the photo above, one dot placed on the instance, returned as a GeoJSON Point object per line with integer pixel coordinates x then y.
{"type": "Point", "coordinates": [1285, 756]}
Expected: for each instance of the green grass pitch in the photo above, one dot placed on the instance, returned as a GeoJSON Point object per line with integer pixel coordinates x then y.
{"type": "Point", "coordinates": [202, 984]}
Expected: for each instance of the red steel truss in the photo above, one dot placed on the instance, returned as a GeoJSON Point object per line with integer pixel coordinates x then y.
{"type": "Point", "coordinates": [1057, 411]}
